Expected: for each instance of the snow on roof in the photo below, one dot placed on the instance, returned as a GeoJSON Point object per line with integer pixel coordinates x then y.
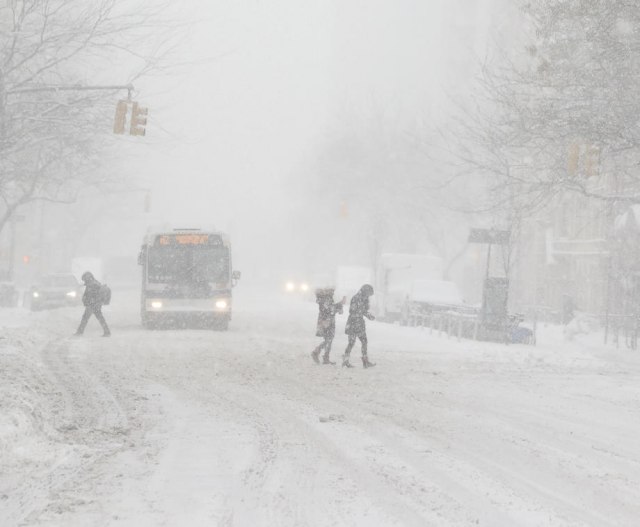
{"type": "Point", "coordinates": [436, 291]}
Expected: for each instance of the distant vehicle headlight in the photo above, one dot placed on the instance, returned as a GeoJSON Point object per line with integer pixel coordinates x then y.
{"type": "Point", "coordinates": [304, 287]}
{"type": "Point", "coordinates": [72, 294]}
{"type": "Point", "coordinates": [36, 294]}
{"type": "Point", "coordinates": [221, 304]}
{"type": "Point", "coordinates": [156, 304]}
{"type": "Point", "coordinates": [290, 286]}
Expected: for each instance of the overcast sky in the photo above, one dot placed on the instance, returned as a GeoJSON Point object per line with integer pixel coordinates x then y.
{"type": "Point", "coordinates": [271, 78]}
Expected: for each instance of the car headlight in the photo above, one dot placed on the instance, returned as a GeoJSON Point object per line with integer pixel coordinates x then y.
{"type": "Point", "coordinates": [304, 287]}
{"type": "Point", "coordinates": [222, 304]}
{"type": "Point", "coordinates": [156, 304]}
{"type": "Point", "coordinates": [72, 294]}
{"type": "Point", "coordinates": [290, 286]}
{"type": "Point", "coordinates": [36, 294]}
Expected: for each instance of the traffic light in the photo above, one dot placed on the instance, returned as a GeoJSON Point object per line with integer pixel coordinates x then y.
{"type": "Point", "coordinates": [344, 210]}
{"type": "Point", "coordinates": [138, 120]}
{"type": "Point", "coordinates": [583, 160]}
{"type": "Point", "coordinates": [593, 161]}
{"type": "Point", "coordinates": [574, 159]}
{"type": "Point", "coordinates": [120, 118]}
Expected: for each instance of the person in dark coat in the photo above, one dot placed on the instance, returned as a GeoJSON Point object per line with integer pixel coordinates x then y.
{"type": "Point", "coordinates": [356, 328]}
{"type": "Point", "coordinates": [326, 327]}
{"type": "Point", "coordinates": [93, 304]}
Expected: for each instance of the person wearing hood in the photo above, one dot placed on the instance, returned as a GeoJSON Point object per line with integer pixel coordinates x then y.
{"type": "Point", "coordinates": [326, 327]}
{"type": "Point", "coordinates": [356, 328]}
{"type": "Point", "coordinates": [92, 300]}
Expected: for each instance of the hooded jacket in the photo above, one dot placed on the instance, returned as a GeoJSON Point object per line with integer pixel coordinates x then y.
{"type": "Point", "coordinates": [358, 309]}
{"type": "Point", "coordinates": [328, 309]}
{"type": "Point", "coordinates": [91, 297]}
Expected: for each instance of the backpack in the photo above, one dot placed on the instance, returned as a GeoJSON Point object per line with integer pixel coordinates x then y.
{"type": "Point", "coordinates": [104, 295]}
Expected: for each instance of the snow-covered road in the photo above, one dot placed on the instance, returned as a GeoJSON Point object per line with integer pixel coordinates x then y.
{"type": "Point", "coordinates": [200, 428]}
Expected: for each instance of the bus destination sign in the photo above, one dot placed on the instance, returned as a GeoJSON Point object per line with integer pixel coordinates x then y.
{"type": "Point", "coordinates": [188, 239]}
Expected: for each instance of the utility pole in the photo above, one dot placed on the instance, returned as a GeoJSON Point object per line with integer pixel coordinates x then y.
{"type": "Point", "coordinates": [35, 89]}
{"type": "Point", "coordinates": [138, 113]}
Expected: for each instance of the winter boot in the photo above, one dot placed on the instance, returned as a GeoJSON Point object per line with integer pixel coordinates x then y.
{"type": "Point", "coordinates": [345, 362]}
{"type": "Point", "coordinates": [366, 363]}
{"type": "Point", "coordinates": [315, 354]}
{"type": "Point", "coordinates": [326, 360]}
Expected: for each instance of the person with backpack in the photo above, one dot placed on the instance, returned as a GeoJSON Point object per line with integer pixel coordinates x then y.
{"type": "Point", "coordinates": [356, 328]}
{"type": "Point", "coordinates": [95, 296]}
{"type": "Point", "coordinates": [326, 327]}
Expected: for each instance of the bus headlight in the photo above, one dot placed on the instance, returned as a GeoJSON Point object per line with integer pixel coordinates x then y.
{"type": "Point", "coordinates": [36, 294]}
{"type": "Point", "coordinates": [290, 286]}
{"type": "Point", "coordinates": [304, 287]}
{"type": "Point", "coordinates": [156, 304]}
{"type": "Point", "coordinates": [71, 294]}
{"type": "Point", "coordinates": [222, 304]}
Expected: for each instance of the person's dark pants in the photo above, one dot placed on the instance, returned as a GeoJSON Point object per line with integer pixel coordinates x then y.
{"type": "Point", "coordinates": [326, 346]}
{"type": "Point", "coordinates": [352, 341]}
{"type": "Point", "coordinates": [93, 310]}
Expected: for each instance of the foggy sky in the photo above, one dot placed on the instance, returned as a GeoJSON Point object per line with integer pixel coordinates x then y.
{"type": "Point", "coordinates": [269, 80]}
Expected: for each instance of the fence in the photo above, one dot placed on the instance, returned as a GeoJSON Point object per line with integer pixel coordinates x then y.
{"type": "Point", "coordinates": [467, 324]}
{"type": "Point", "coordinates": [622, 328]}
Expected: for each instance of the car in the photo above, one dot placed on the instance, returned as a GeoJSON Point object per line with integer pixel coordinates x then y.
{"type": "Point", "coordinates": [55, 290]}
{"type": "Point", "coordinates": [427, 297]}
{"type": "Point", "coordinates": [8, 294]}
{"type": "Point", "coordinates": [296, 287]}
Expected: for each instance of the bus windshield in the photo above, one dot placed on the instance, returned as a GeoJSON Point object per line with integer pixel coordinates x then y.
{"type": "Point", "coordinates": [188, 264]}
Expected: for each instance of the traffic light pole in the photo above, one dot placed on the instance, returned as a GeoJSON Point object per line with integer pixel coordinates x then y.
{"type": "Point", "coordinates": [35, 89]}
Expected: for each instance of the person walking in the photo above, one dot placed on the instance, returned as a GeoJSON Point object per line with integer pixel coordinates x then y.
{"type": "Point", "coordinates": [92, 300]}
{"type": "Point", "coordinates": [356, 328]}
{"type": "Point", "coordinates": [326, 327]}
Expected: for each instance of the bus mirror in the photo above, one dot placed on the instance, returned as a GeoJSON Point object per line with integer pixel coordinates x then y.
{"type": "Point", "coordinates": [141, 255]}
{"type": "Point", "coordinates": [236, 275]}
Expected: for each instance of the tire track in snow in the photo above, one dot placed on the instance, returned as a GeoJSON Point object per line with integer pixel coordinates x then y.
{"type": "Point", "coordinates": [468, 464]}
{"type": "Point", "coordinates": [421, 487]}
{"type": "Point", "coordinates": [296, 497]}
{"type": "Point", "coordinates": [90, 423]}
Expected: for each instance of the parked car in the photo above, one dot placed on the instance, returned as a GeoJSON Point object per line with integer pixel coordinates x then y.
{"type": "Point", "coordinates": [55, 290]}
{"type": "Point", "coordinates": [8, 294]}
{"type": "Point", "coordinates": [427, 297]}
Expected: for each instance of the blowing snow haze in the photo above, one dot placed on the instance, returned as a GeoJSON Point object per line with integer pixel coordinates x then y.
{"type": "Point", "coordinates": [273, 86]}
{"type": "Point", "coordinates": [319, 263]}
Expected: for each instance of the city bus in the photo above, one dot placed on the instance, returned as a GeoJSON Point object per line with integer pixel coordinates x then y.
{"type": "Point", "coordinates": [187, 279]}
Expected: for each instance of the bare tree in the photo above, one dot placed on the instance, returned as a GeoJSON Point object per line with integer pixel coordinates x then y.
{"type": "Point", "coordinates": [375, 191]}
{"type": "Point", "coordinates": [559, 114]}
{"type": "Point", "coordinates": [50, 140]}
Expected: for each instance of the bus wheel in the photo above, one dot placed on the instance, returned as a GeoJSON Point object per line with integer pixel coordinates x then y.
{"type": "Point", "coordinates": [149, 322]}
{"type": "Point", "coordinates": [220, 323]}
